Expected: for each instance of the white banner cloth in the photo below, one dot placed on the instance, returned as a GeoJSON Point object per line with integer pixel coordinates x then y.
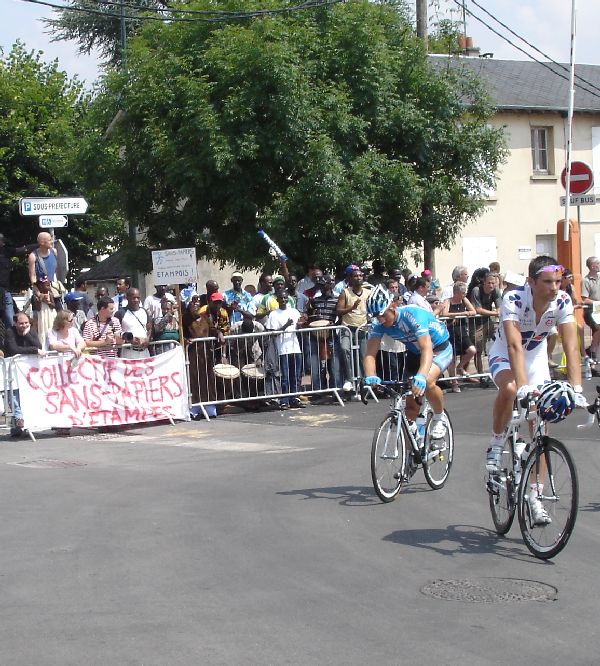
{"type": "Point", "coordinates": [101, 391]}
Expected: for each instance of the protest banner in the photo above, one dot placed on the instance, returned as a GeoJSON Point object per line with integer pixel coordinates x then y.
{"type": "Point", "coordinates": [98, 391]}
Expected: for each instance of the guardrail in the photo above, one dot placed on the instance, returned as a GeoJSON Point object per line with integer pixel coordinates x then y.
{"type": "Point", "coordinates": [467, 332]}
{"type": "Point", "coordinates": [272, 365]}
{"type": "Point", "coordinates": [471, 337]}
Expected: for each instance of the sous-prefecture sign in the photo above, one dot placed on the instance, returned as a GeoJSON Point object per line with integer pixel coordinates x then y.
{"type": "Point", "coordinates": [174, 266]}
{"type": "Point", "coordinates": [53, 206]}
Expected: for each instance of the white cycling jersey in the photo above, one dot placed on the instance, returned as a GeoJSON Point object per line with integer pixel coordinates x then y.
{"type": "Point", "coordinates": [517, 305]}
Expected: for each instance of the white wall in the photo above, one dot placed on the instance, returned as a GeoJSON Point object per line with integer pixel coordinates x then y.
{"type": "Point", "coordinates": [526, 206]}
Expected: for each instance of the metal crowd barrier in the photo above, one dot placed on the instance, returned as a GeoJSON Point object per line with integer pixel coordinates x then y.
{"type": "Point", "coordinates": [160, 346]}
{"type": "Point", "coordinates": [471, 337]}
{"type": "Point", "coordinates": [473, 333]}
{"type": "Point", "coordinates": [6, 402]}
{"type": "Point", "coordinates": [265, 366]}
{"type": "Point", "coordinates": [585, 334]}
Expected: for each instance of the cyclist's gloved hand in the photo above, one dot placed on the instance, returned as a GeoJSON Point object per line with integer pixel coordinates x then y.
{"type": "Point", "coordinates": [419, 383]}
{"type": "Point", "coordinates": [524, 391]}
{"type": "Point", "coordinates": [373, 380]}
{"type": "Point", "coordinates": [580, 399]}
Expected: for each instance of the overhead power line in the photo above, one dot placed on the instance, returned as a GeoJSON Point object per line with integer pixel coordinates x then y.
{"type": "Point", "coordinates": [310, 4]}
{"type": "Point", "coordinates": [535, 48]}
{"type": "Point", "coordinates": [531, 57]}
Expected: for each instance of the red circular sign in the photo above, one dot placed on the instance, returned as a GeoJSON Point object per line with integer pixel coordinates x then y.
{"type": "Point", "coordinates": [582, 178]}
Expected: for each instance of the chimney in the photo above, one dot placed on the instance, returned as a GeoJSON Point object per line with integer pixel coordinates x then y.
{"type": "Point", "coordinates": [465, 45]}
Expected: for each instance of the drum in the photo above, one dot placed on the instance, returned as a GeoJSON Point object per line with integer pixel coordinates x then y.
{"type": "Point", "coordinates": [324, 351]}
{"type": "Point", "coordinates": [319, 323]}
{"type": "Point", "coordinates": [252, 371]}
{"type": "Point", "coordinates": [226, 371]}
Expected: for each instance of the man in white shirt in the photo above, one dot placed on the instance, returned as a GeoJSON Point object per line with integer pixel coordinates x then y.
{"type": "Point", "coordinates": [120, 298]}
{"type": "Point", "coordinates": [518, 357]}
{"type": "Point", "coordinates": [152, 302]}
{"type": "Point", "coordinates": [309, 280]}
{"type": "Point", "coordinates": [419, 296]}
{"type": "Point", "coordinates": [136, 326]}
{"type": "Point", "coordinates": [285, 320]}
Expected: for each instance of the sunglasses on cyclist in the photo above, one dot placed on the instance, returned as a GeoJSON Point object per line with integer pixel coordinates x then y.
{"type": "Point", "coordinates": [552, 268]}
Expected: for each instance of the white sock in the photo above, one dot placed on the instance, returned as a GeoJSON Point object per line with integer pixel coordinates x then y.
{"type": "Point", "coordinates": [497, 440]}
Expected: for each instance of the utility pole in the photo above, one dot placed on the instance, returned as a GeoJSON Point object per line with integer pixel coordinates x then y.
{"type": "Point", "coordinates": [428, 247]}
{"type": "Point", "coordinates": [422, 21]}
{"type": "Point", "coordinates": [132, 228]}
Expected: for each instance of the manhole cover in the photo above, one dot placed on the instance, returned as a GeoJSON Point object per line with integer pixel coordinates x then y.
{"type": "Point", "coordinates": [46, 463]}
{"type": "Point", "coordinates": [490, 590]}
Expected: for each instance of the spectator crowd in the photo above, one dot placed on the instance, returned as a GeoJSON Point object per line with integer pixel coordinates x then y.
{"type": "Point", "coordinates": [320, 321]}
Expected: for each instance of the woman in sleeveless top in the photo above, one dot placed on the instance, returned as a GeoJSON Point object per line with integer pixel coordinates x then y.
{"type": "Point", "coordinates": [457, 309]}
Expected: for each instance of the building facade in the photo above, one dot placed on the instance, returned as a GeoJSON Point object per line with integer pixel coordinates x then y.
{"type": "Point", "coordinates": [521, 214]}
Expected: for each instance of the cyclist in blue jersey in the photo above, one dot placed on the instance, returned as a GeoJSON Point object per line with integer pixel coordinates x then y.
{"type": "Point", "coordinates": [428, 351]}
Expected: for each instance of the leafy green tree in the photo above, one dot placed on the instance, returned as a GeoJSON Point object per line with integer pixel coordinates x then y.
{"type": "Point", "coordinates": [444, 38]}
{"type": "Point", "coordinates": [328, 128]}
{"type": "Point", "coordinates": [42, 114]}
{"type": "Point", "coordinates": [96, 25]}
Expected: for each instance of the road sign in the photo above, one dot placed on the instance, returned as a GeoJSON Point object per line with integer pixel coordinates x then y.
{"type": "Point", "coordinates": [580, 200]}
{"type": "Point", "coordinates": [53, 221]}
{"type": "Point", "coordinates": [51, 206]}
{"type": "Point", "coordinates": [174, 266]}
{"type": "Point", "coordinates": [582, 178]}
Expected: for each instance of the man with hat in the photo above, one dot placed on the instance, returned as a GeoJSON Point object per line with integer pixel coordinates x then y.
{"type": "Point", "coordinates": [73, 301]}
{"type": "Point", "coordinates": [270, 301]}
{"type": "Point", "coordinates": [239, 302]}
{"type": "Point", "coordinates": [215, 314]}
{"type": "Point", "coordinates": [343, 283]}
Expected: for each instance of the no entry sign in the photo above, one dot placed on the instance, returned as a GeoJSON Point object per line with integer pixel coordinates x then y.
{"type": "Point", "coordinates": [582, 178]}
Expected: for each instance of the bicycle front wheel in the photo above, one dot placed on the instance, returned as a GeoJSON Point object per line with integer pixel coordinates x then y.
{"type": "Point", "coordinates": [550, 477]}
{"type": "Point", "coordinates": [388, 458]}
{"type": "Point", "coordinates": [501, 491]}
{"type": "Point", "coordinates": [438, 455]}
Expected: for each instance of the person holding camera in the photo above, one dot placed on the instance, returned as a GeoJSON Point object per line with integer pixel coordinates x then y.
{"type": "Point", "coordinates": [136, 326]}
{"type": "Point", "coordinates": [102, 333]}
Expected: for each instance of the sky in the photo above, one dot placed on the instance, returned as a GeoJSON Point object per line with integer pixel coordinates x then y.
{"type": "Point", "coordinates": [544, 23]}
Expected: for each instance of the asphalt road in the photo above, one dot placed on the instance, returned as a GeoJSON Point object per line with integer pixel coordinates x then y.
{"type": "Point", "coordinates": [257, 539]}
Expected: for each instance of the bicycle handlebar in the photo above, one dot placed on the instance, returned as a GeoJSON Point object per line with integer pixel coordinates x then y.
{"type": "Point", "coordinates": [392, 388]}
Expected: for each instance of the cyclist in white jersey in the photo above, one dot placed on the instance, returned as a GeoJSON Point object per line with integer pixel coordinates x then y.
{"type": "Point", "coordinates": [518, 357]}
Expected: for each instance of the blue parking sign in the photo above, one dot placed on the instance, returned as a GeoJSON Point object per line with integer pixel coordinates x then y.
{"type": "Point", "coordinates": [27, 206]}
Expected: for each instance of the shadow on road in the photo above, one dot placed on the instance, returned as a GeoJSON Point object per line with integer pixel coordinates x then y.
{"type": "Point", "coordinates": [344, 495]}
{"type": "Point", "coordinates": [463, 540]}
{"type": "Point", "coordinates": [592, 506]}
{"type": "Point", "coordinates": [353, 495]}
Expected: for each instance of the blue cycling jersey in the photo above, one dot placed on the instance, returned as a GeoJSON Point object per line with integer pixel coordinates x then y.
{"type": "Point", "coordinates": [412, 322]}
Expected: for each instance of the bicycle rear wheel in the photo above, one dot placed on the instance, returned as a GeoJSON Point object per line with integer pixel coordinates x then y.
{"type": "Point", "coordinates": [501, 491]}
{"type": "Point", "coordinates": [559, 494]}
{"type": "Point", "coordinates": [388, 458]}
{"type": "Point", "coordinates": [437, 462]}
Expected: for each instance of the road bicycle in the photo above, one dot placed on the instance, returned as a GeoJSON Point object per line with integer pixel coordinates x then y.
{"type": "Point", "coordinates": [542, 469]}
{"type": "Point", "coordinates": [399, 448]}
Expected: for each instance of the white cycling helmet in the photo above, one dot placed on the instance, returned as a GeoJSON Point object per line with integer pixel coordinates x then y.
{"type": "Point", "coordinates": [556, 401]}
{"type": "Point", "coordinates": [379, 301]}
